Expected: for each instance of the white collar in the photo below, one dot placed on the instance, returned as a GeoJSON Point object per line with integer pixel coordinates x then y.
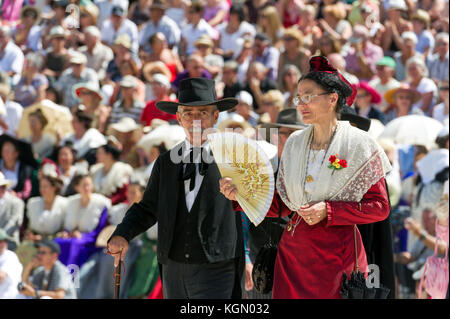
{"type": "Point", "coordinates": [188, 147]}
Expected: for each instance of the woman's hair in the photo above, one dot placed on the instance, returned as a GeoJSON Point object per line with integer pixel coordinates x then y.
{"type": "Point", "coordinates": [67, 144]}
{"type": "Point", "coordinates": [197, 6]}
{"type": "Point", "coordinates": [309, 9]}
{"type": "Point", "coordinates": [331, 83]}
{"type": "Point", "coordinates": [274, 22]}
{"type": "Point", "coordinates": [138, 184]}
{"type": "Point", "coordinates": [58, 95]}
{"type": "Point", "coordinates": [238, 10]}
{"type": "Point", "coordinates": [441, 141]}
{"type": "Point", "coordinates": [335, 10]}
{"type": "Point", "coordinates": [84, 118]}
{"type": "Point", "coordinates": [415, 60]}
{"type": "Point", "coordinates": [294, 33]}
{"type": "Point", "coordinates": [35, 59]}
{"type": "Point", "coordinates": [57, 183]}
{"type": "Point", "coordinates": [40, 116]}
{"type": "Point", "coordinates": [274, 97]}
{"type": "Point", "coordinates": [79, 177]}
{"type": "Point", "coordinates": [422, 16]}
{"type": "Point", "coordinates": [286, 68]}
{"type": "Point", "coordinates": [155, 36]}
{"type": "Point", "coordinates": [336, 45]}
{"type": "Point", "coordinates": [112, 148]}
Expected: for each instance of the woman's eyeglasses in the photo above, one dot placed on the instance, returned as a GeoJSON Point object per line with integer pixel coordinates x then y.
{"type": "Point", "coordinates": [305, 99]}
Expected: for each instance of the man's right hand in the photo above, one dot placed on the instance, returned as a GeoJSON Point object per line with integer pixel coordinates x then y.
{"type": "Point", "coordinates": [118, 247]}
{"type": "Point", "coordinates": [227, 189]}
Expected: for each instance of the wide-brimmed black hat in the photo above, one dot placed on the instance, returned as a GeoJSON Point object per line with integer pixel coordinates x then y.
{"type": "Point", "coordinates": [24, 148]}
{"type": "Point", "coordinates": [197, 92]}
{"type": "Point", "coordinates": [286, 118]}
{"type": "Point", "coordinates": [349, 114]}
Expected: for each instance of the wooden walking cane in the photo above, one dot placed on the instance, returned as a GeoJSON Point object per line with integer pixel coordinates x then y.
{"type": "Point", "coordinates": [117, 273]}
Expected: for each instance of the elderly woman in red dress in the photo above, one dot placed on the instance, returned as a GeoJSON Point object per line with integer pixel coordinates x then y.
{"type": "Point", "coordinates": [333, 176]}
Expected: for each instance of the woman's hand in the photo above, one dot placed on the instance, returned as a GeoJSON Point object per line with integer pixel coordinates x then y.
{"type": "Point", "coordinates": [413, 226]}
{"type": "Point", "coordinates": [227, 189]}
{"type": "Point", "coordinates": [313, 213]}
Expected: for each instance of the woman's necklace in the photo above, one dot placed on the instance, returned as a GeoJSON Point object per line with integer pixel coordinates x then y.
{"type": "Point", "coordinates": [291, 226]}
{"type": "Point", "coordinates": [309, 178]}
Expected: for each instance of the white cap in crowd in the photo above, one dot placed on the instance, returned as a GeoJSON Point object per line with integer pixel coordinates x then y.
{"type": "Point", "coordinates": [244, 96]}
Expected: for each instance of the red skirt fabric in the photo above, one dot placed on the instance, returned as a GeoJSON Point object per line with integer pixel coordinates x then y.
{"type": "Point", "coordinates": [312, 260]}
{"type": "Point", "coordinates": [310, 264]}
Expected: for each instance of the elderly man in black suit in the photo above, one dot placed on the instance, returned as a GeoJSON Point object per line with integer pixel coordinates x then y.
{"type": "Point", "coordinates": [200, 240]}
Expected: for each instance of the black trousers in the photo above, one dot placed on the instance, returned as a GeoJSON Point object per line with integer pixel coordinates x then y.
{"type": "Point", "coordinates": [198, 281]}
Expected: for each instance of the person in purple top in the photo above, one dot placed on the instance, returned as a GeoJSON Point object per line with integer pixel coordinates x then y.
{"type": "Point", "coordinates": [264, 52]}
{"type": "Point", "coordinates": [194, 69]}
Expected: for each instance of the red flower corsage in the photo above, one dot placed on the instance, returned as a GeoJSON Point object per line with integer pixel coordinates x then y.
{"type": "Point", "coordinates": [336, 163]}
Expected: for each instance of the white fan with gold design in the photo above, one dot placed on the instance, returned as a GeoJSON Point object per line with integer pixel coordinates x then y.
{"type": "Point", "coordinates": [245, 162]}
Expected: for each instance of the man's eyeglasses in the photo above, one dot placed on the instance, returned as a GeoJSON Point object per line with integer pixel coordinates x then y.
{"type": "Point", "coordinates": [189, 116]}
{"type": "Point", "coordinates": [305, 99]}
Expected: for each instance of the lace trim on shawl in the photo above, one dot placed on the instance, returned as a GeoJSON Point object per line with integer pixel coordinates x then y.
{"type": "Point", "coordinates": [368, 175]}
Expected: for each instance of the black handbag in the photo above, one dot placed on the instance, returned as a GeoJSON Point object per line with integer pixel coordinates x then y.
{"type": "Point", "coordinates": [355, 287]}
{"type": "Point", "coordinates": [263, 268]}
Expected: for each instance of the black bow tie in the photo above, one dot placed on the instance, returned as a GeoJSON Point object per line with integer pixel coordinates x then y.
{"type": "Point", "coordinates": [189, 172]}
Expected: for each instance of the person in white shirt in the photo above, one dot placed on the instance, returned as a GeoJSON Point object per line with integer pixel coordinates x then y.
{"type": "Point", "coordinates": [196, 28]}
{"type": "Point", "coordinates": [85, 139]}
{"type": "Point", "coordinates": [441, 111]}
{"type": "Point", "coordinates": [105, 8]}
{"type": "Point", "coordinates": [384, 80]}
{"type": "Point", "coordinates": [159, 22]}
{"type": "Point", "coordinates": [98, 55]}
{"type": "Point", "coordinates": [438, 63]}
{"type": "Point", "coordinates": [10, 269]}
{"type": "Point", "coordinates": [117, 25]}
{"type": "Point", "coordinates": [85, 208]}
{"type": "Point", "coordinates": [235, 28]}
{"type": "Point", "coordinates": [11, 56]}
{"type": "Point", "coordinates": [46, 213]}
{"type": "Point", "coordinates": [11, 213]}
{"type": "Point", "coordinates": [13, 114]}
{"type": "Point", "coordinates": [417, 75]}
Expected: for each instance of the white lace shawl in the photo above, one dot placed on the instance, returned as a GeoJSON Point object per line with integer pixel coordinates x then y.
{"type": "Point", "coordinates": [366, 165]}
{"type": "Point", "coordinates": [117, 177]}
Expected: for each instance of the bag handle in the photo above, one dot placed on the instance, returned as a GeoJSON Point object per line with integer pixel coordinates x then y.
{"type": "Point", "coordinates": [280, 210]}
{"type": "Point", "coordinates": [419, 292]}
{"type": "Point", "coordinates": [356, 249]}
{"type": "Point", "coordinates": [436, 244]}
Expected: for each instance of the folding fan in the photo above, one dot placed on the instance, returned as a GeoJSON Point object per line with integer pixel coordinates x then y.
{"type": "Point", "coordinates": [245, 162]}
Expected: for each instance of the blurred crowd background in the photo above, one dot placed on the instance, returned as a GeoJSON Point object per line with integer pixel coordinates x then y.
{"type": "Point", "coordinates": [79, 82]}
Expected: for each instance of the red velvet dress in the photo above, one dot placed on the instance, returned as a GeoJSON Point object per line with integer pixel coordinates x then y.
{"type": "Point", "coordinates": [310, 263]}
